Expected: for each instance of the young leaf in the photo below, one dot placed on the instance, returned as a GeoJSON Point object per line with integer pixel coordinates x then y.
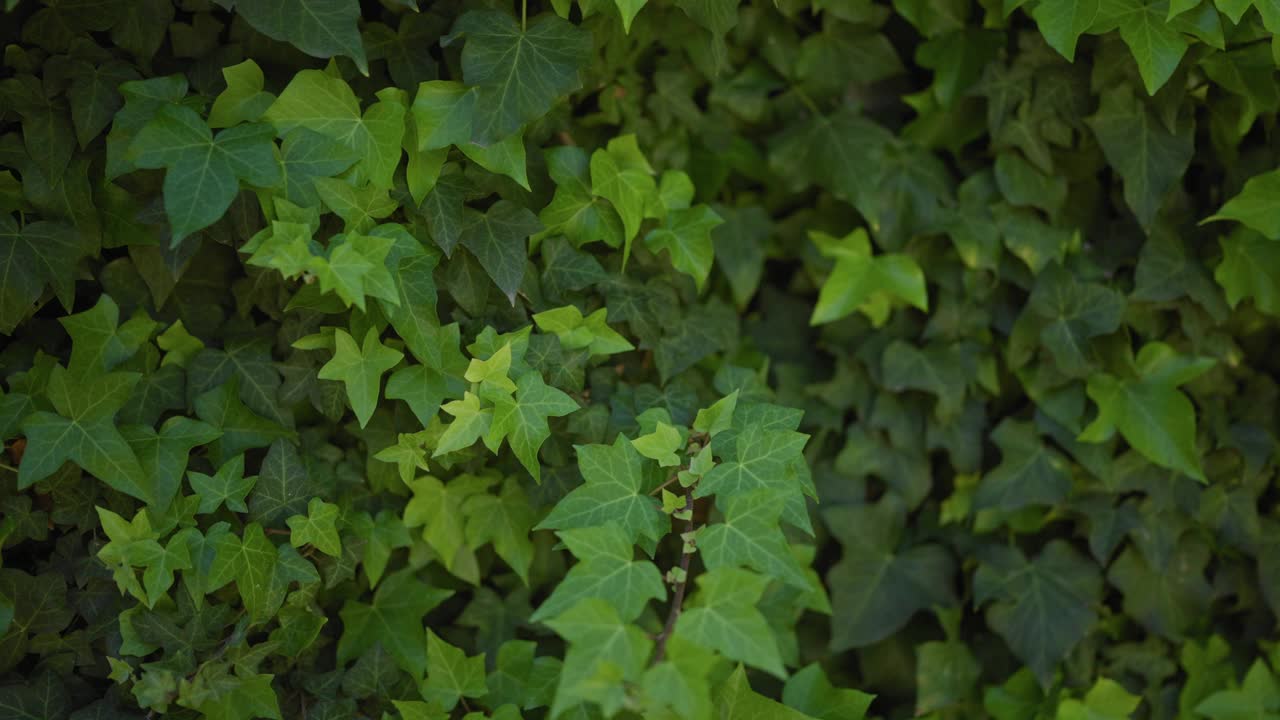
{"type": "Point", "coordinates": [318, 528]}
{"type": "Point", "coordinates": [522, 421]}
{"type": "Point", "coordinates": [360, 368]}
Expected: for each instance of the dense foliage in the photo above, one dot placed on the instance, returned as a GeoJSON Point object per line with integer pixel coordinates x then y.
{"type": "Point", "coordinates": [639, 358]}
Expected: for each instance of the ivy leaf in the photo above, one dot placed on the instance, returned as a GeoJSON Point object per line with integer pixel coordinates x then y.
{"type": "Point", "coordinates": [438, 508]}
{"type": "Point", "coordinates": [1042, 608]}
{"type": "Point", "coordinates": [99, 342]}
{"type": "Point", "coordinates": [860, 281]}
{"type": "Point", "coordinates": [1156, 44]}
{"type": "Point", "coordinates": [355, 268]}
{"type": "Point", "coordinates": [422, 388]}
{"type": "Point", "coordinates": [522, 421]}
{"type": "Point", "coordinates": [737, 701]}
{"type": "Point", "coordinates": [660, 445]}
{"type": "Point", "coordinates": [621, 174]}
{"type": "Point", "coordinates": [394, 619]}
{"type": "Point", "coordinates": [360, 368]}
{"type": "Point", "coordinates": [602, 650]}
{"type": "Point", "coordinates": [613, 493]}
{"type": "Point", "coordinates": [306, 156]}
{"type": "Point", "coordinates": [1249, 269]}
{"type": "Point", "coordinates": [233, 697]}
{"type": "Point", "coordinates": [319, 28]}
{"type": "Point", "coordinates": [938, 370]}
{"type": "Point", "coordinates": [607, 570]}
{"type": "Point", "coordinates": [877, 586]}
{"type": "Point", "coordinates": [251, 563]}
{"type": "Point", "coordinates": [41, 253]}
{"type": "Point", "coordinates": [1106, 700]}
{"type": "Point", "coordinates": [575, 211]}
{"type": "Point", "coordinates": [1255, 205]}
{"type": "Point", "coordinates": [83, 431]}
{"type": "Point", "coordinates": [204, 170]}
{"type": "Point", "coordinates": [1165, 591]}
{"type": "Point", "coordinates": [241, 428]}
{"type": "Point", "coordinates": [1075, 312]}
{"type": "Point", "coordinates": [1029, 473]}
{"type": "Point", "coordinates": [504, 157]}
{"type": "Point", "coordinates": [1149, 157]}
{"type": "Point", "coordinates": [359, 207]}
{"type": "Point", "coordinates": [443, 112]}
{"type": "Point", "coordinates": [326, 105]}
{"type": "Point", "coordinates": [505, 521]}
{"type": "Point", "coordinates": [228, 486]}
{"type": "Point", "coordinates": [283, 486]}
{"type": "Point", "coordinates": [243, 100]}
{"type": "Point", "coordinates": [44, 699]}
{"type": "Point", "coordinates": [163, 455]}
{"type": "Point", "coordinates": [1258, 696]}
{"type": "Point", "coordinates": [750, 536]}
{"type": "Point", "coordinates": [762, 458]}
{"type": "Point", "coordinates": [318, 528]}
{"type": "Point", "coordinates": [470, 423]}
{"type": "Point", "coordinates": [497, 237]}
{"type": "Point", "coordinates": [724, 618]}
{"type": "Point", "coordinates": [810, 692]}
{"type": "Point", "coordinates": [1152, 415]}
{"type": "Point", "coordinates": [160, 563]}
{"type": "Point", "coordinates": [575, 332]}
{"type": "Point", "coordinates": [718, 16]}
{"type": "Point", "coordinates": [1062, 22]}
{"type": "Point", "coordinates": [519, 73]}
{"type": "Point", "coordinates": [686, 235]}
{"type": "Point", "coordinates": [451, 675]}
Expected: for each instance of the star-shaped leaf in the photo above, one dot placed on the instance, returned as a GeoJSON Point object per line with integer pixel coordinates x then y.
{"type": "Point", "coordinates": [613, 493]}
{"type": "Point", "coordinates": [498, 238]}
{"type": "Point", "coordinates": [470, 423]}
{"type": "Point", "coordinates": [393, 618]}
{"type": "Point", "coordinates": [621, 174]}
{"type": "Point", "coordinates": [327, 105]}
{"type": "Point", "coordinates": [686, 236]}
{"type": "Point", "coordinates": [519, 71]}
{"type": "Point", "coordinates": [318, 528]}
{"type": "Point", "coordinates": [522, 421]}
{"type": "Point", "coordinates": [319, 28]}
{"type": "Point", "coordinates": [505, 521]}
{"type": "Point", "coordinates": [861, 281]}
{"type": "Point", "coordinates": [1042, 608]}
{"type": "Point", "coordinates": [360, 368]}
{"type": "Point", "coordinates": [607, 569]}
{"type": "Point", "coordinates": [451, 675]}
{"type": "Point", "coordinates": [83, 431]}
{"type": "Point", "coordinates": [750, 536]}
{"type": "Point", "coordinates": [204, 170]}
{"type": "Point", "coordinates": [1151, 413]}
{"type": "Point", "coordinates": [228, 486]}
{"type": "Point", "coordinates": [724, 618]}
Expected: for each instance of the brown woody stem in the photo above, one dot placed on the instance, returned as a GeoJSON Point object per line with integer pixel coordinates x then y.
{"type": "Point", "coordinates": [677, 602]}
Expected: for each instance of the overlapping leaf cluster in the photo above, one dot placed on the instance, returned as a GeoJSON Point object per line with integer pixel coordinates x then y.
{"type": "Point", "coordinates": [639, 358]}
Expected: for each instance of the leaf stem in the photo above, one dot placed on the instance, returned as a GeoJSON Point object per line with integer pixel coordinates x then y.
{"type": "Point", "coordinates": [808, 101]}
{"type": "Point", "coordinates": [677, 602]}
{"type": "Point", "coordinates": [674, 476]}
{"type": "Point", "coordinates": [524, 15]}
{"type": "Point", "coordinates": [10, 468]}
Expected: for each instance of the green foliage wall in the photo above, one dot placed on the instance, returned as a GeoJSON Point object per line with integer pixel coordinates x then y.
{"type": "Point", "coordinates": [639, 358]}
